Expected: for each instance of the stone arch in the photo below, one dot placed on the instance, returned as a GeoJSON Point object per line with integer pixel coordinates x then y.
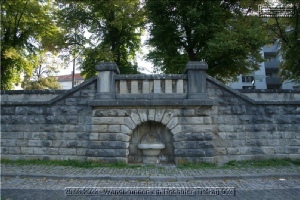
{"type": "Point", "coordinates": [140, 120]}
{"type": "Point", "coordinates": [139, 116]}
{"type": "Point", "coordinates": [166, 155]}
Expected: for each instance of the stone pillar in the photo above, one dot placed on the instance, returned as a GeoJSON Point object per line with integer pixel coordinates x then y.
{"type": "Point", "coordinates": [106, 80]}
{"type": "Point", "coordinates": [196, 72]}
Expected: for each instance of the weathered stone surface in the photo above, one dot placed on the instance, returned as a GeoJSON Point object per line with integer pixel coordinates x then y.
{"type": "Point", "coordinates": [129, 123]}
{"type": "Point", "coordinates": [67, 151]}
{"type": "Point", "coordinates": [107, 152]}
{"type": "Point", "coordinates": [8, 110]}
{"type": "Point", "coordinates": [94, 136]}
{"type": "Point", "coordinates": [191, 120]}
{"type": "Point", "coordinates": [202, 144]}
{"type": "Point", "coordinates": [192, 136]}
{"type": "Point", "coordinates": [233, 151]}
{"type": "Point", "coordinates": [108, 120]}
{"type": "Point", "coordinates": [159, 113]}
{"type": "Point", "coordinates": [196, 128]}
{"type": "Point", "coordinates": [73, 144]}
{"type": "Point", "coordinates": [46, 143]}
{"type": "Point", "coordinates": [143, 114]}
{"type": "Point", "coordinates": [34, 143]}
{"type": "Point", "coordinates": [27, 150]}
{"type": "Point", "coordinates": [203, 111]}
{"type": "Point", "coordinates": [167, 117]}
{"type": "Point", "coordinates": [126, 130]}
{"type": "Point", "coordinates": [177, 129]}
{"type": "Point", "coordinates": [108, 145]}
{"type": "Point", "coordinates": [135, 117]}
{"type": "Point", "coordinates": [98, 128]}
{"type": "Point", "coordinates": [172, 123]}
{"type": "Point", "coordinates": [122, 137]}
{"type": "Point", "coordinates": [151, 114]}
{"type": "Point", "coordinates": [114, 128]}
{"type": "Point", "coordinates": [107, 136]}
{"type": "Point", "coordinates": [185, 145]}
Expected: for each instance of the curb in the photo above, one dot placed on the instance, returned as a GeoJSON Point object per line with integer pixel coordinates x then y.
{"type": "Point", "coordinates": [154, 178]}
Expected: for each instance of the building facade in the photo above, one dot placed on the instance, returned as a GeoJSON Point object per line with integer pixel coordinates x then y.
{"type": "Point", "coordinates": [268, 76]}
{"type": "Point", "coordinates": [65, 81]}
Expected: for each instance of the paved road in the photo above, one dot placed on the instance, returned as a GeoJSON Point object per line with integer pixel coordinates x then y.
{"type": "Point", "coordinates": [258, 188]}
{"type": "Point", "coordinates": [49, 182]}
{"type": "Point", "coordinates": [271, 194]}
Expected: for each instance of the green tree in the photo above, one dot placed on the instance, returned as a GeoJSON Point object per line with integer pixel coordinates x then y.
{"type": "Point", "coordinates": [221, 32]}
{"type": "Point", "coordinates": [26, 27]}
{"type": "Point", "coordinates": [114, 27]}
{"type": "Point", "coordinates": [287, 30]}
{"type": "Point", "coordinates": [45, 65]}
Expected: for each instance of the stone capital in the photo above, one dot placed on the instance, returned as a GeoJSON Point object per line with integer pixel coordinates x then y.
{"type": "Point", "coordinates": [107, 66]}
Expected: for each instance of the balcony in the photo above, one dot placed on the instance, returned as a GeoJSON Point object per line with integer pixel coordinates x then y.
{"type": "Point", "coordinates": [273, 81]}
{"type": "Point", "coordinates": [273, 65]}
{"type": "Point", "coordinates": [270, 50]}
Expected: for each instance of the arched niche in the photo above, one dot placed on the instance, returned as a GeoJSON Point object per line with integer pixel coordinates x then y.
{"type": "Point", "coordinates": [166, 154]}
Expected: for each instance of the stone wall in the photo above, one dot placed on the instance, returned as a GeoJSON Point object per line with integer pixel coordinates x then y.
{"type": "Point", "coordinates": [245, 129]}
{"type": "Point", "coordinates": [56, 129]}
{"type": "Point", "coordinates": [212, 124]}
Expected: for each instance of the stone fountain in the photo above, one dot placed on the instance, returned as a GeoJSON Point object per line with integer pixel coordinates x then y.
{"type": "Point", "coordinates": [151, 145]}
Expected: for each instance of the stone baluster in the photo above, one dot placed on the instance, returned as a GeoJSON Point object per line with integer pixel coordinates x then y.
{"type": "Point", "coordinates": [196, 72]}
{"type": "Point", "coordinates": [106, 80]}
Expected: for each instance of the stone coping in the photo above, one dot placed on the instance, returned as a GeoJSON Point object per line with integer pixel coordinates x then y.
{"type": "Point", "coordinates": [268, 91]}
{"type": "Point", "coordinates": [246, 98]}
{"type": "Point", "coordinates": [32, 92]}
{"type": "Point", "coordinates": [152, 102]}
{"type": "Point", "coordinates": [150, 76]}
{"type": "Point", "coordinates": [52, 101]}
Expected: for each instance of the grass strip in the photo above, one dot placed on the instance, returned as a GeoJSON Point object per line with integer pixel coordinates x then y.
{"type": "Point", "coordinates": [89, 164]}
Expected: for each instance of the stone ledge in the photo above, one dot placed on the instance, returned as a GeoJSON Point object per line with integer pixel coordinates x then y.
{"type": "Point", "coordinates": [52, 101]}
{"type": "Point", "coordinates": [268, 91]}
{"type": "Point", "coordinates": [151, 77]}
{"type": "Point", "coordinates": [154, 102]}
{"type": "Point", "coordinates": [245, 97]}
{"type": "Point", "coordinates": [14, 92]}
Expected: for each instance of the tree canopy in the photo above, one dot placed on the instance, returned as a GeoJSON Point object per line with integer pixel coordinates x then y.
{"type": "Point", "coordinates": [26, 28]}
{"type": "Point", "coordinates": [224, 33]}
{"type": "Point", "coordinates": [287, 30]}
{"type": "Point", "coordinates": [220, 32]}
{"type": "Point", "coordinates": [114, 27]}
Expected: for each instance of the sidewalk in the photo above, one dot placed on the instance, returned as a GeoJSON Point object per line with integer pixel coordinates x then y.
{"type": "Point", "coordinates": [146, 173]}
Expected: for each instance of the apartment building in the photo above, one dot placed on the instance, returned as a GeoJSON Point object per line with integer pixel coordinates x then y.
{"type": "Point", "coordinates": [268, 76]}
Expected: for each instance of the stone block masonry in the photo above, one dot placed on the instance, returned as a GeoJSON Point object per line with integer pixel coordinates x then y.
{"type": "Point", "coordinates": [213, 123]}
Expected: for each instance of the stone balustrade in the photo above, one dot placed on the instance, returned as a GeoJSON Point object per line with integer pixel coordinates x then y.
{"type": "Point", "coordinates": [190, 85]}
{"type": "Point", "coordinates": [151, 86]}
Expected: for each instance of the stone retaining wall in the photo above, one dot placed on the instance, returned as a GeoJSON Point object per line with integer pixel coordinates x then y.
{"type": "Point", "coordinates": [214, 124]}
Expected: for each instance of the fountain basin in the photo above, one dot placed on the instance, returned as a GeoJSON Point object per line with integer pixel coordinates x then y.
{"type": "Point", "coordinates": [151, 149]}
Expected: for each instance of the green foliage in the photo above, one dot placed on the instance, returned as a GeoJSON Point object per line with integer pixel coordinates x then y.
{"type": "Point", "coordinates": [197, 165]}
{"type": "Point", "coordinates": [45, 65]}
{"type": "Point", "coordinates": [260, 163]}
{"type": "Point", "coordinates": [114, 27]}
{"type": "Point", "coordinates": [71, 163]}
{"type": "Point", "coordinates": [287, 31]}
{"type": "Point", "coordinates": [26, 27]}
{"type": "Point", "coordinates": [220, 33]}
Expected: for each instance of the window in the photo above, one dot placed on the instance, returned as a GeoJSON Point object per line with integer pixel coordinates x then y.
{"type": "Point", "coordinates": [297, 87]}
{"type": "Point", "coordinates": [248, 87]}
{"type": "Point", "coordinates": [247, 79]}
